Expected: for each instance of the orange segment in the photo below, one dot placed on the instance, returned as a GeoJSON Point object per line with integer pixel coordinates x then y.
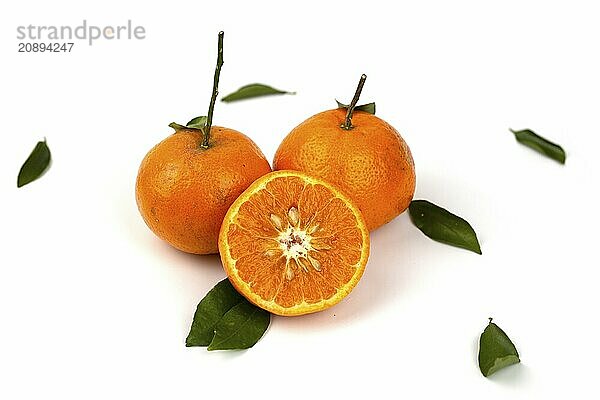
{"type": "Point", "coordinates": [293, 244]}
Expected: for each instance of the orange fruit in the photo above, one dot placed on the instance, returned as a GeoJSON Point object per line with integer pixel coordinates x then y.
{"type": "Point", "coordinates": [370, 162]}
{"type": "Point", "coordinates": [183, 190]}
{"type": "Point", "coordinates": [293, 244]}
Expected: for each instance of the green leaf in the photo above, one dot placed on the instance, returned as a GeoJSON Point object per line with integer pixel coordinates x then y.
{"type": "Point", "coordinates": [541, 145]}
{"type": "Point", "coordinates": [197, 123]}
{"type": "Point", "coordinates": [369, 107]}
{"type": "Point", "coordinates": [177, 126]}
{"type": "Point", "coordinates": [240, 328]}
{"type": "Point", "coordinates": [209, 312]}
{"type": "Point", "coordinates": [225, 320]}
{"type": "Point", "coordinates": [253, 90]}
{"type": "Point", "coordinates": [496, 350]}
{"type": "Point", "coordinates": [443, 226]}
{"type": "Point", "coordinates": [35, 165]}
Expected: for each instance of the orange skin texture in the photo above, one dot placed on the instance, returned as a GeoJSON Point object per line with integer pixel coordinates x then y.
{"type": "Point", "coordinates": [183, 191]}
{"type": "Point", "coordinates": [371, 162]}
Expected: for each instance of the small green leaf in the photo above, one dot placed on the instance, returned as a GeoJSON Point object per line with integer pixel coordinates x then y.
{"type": "Point", "coordinates": [209, 312]}
{"type": "Point", "coordinates": [496, 350]}
{"type": "Point", "coordinates": [541, 145]}
{"type": "Point", "coordinates": [177, 126]}
{"type": "Point", "coordinates": [240, 328]}
{"type": "Point", "coordinates": [443, 226]}
{"type": "Point", "coordinates": [195, 124]}
{"type": "Point", "coordinates": [35, 165]}
{"type": "Point", "coordinates": [253, 90]}
{"type": "Point", "coordinates": [369, 107]}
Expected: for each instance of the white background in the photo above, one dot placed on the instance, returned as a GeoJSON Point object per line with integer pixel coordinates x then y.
{"type": "Point", "coordinates": [94, 306]}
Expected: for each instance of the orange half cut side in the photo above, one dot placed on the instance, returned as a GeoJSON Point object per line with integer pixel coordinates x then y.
{"type": "Point", "coordinates": [293, 244]}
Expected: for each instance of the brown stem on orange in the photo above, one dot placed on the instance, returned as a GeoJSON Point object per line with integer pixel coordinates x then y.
{"type": "Point", "coordinates": [215, 92]}
{"type": "Point", "coordinates": [348, 122]}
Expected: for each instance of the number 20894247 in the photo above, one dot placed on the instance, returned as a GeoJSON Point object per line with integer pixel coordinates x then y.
{"type": "Point", "coordinates": [34, 47]}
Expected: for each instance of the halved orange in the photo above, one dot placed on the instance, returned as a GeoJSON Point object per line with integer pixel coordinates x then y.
{"type": "Point", "coordinates": [293, 244]}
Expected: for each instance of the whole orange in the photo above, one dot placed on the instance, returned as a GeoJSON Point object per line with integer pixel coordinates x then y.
{"type": "Point", "coordinates": [370, 162]}
{"type": "Point", "coordinates": [183, 190]}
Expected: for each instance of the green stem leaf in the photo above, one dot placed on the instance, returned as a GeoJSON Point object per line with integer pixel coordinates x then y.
{"type": "Point", "coordinates": [195, 124]}
{"type": "Point", "coordinates": [532, 140]}
{"type": "Point", "coordinates": [253, 90]}
{"type": "Point", "coordinates": [209, 312]}
{"type": "Point", "coordinates": [35, 165]}
{"type": "Point", "coordinates": [369, 107]}
{"type": "Point", "coordinates": [225, 320]}
{"type": "Point", "coordinates": [240, 328]}
{"type": "Point", "coordinates": [496, 350]}
{"type": "Point", "coordinates": [176, 126]}
{"type": "Point", "coordinates": [443, 226]}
